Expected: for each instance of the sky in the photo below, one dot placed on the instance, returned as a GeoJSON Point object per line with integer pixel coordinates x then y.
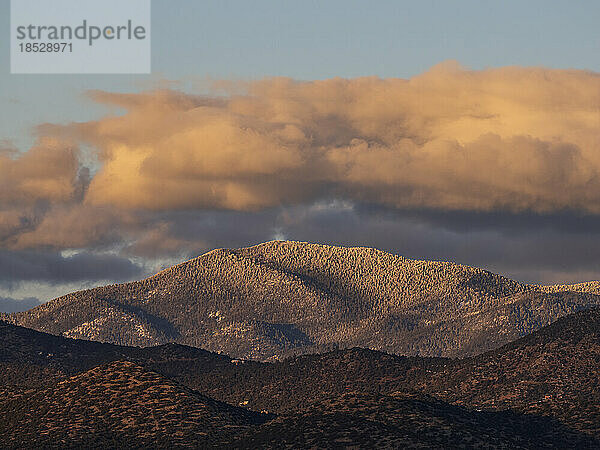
{"type": "Point", "coordinates": [464, 131]}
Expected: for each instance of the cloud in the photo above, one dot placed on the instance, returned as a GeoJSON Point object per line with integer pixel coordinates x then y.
{"type": "Point", "coordinates": [511, 139]}
{"type": "Point", "coordinates": [23, 266]}
{"type": "Point", "coordinates": [74, 226]}
{"type": "Point", "coordinates": [160, 241]}
{"type": "Point", "coordinates": [10, 305]}
{"type": "Point", "coordinates": [47, 172]}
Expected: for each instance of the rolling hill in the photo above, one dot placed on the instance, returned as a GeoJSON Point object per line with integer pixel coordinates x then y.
{"type": "Point", "coordinates": [552, 373]}
{"type": "Point", "coordinates": [540, 391]}
{"type": "Point", "coordinates": [118, 405]}
{"type": "Point", "coordinates": [283, 298]}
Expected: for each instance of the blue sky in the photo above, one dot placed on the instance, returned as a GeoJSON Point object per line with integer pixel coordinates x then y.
{"type": "Point", "coordinates": [313, 40]}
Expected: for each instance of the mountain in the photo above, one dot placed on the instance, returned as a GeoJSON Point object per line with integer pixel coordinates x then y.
{"type": "Point", "coordinates": [541, 391]}
{"type": "Point", "coordinates": [283, 298]}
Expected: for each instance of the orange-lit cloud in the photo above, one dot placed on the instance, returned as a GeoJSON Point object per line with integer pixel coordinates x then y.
{"type": "Point", "coordinates": [47, 172]}
{"type": "Point", "coordinates": [508, 139]}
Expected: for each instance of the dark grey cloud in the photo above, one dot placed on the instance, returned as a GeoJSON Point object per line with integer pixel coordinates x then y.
{"type": "Point", "coordinates": [54, 268]}
{"type": "Point", "coordinates": [10, 305]}
{"type": "Point", "coordinates": [528, 247]}
{"type": "Point", "coordinates": [567, 221]}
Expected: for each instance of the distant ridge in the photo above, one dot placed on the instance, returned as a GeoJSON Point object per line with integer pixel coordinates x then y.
{"type": "Point", "coordinates": [282, 297]}
{"type": "Point", "coordinates": [592, 287]}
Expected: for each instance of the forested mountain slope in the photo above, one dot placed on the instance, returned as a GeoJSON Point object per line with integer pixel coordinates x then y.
{"type": "Point", "coordinates": [282, 298]}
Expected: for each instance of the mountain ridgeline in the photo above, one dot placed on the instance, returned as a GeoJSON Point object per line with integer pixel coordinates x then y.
{"type": "Point", "coordinates": [284, 298]}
